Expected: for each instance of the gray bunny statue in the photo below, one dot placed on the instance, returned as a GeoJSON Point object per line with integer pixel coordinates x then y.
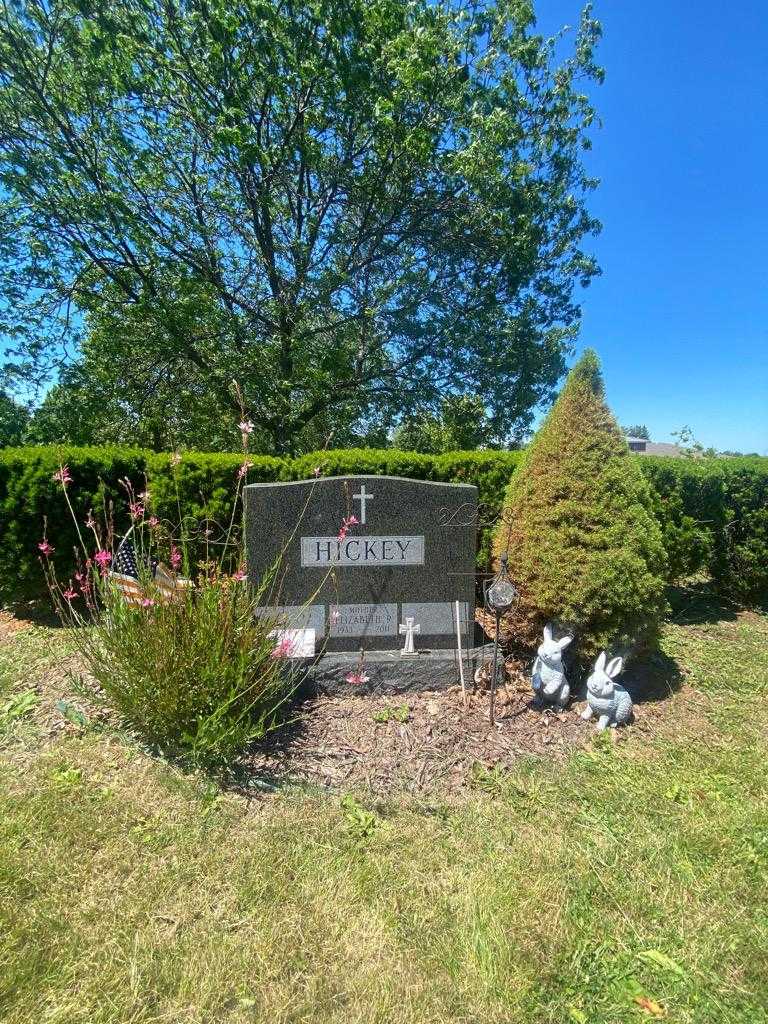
{"type": "Point", "coordinates": [550, 686]}
{"type": "Point", "coordinates": [606, 698]}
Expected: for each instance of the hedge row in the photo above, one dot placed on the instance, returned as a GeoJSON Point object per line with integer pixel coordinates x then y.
{"type": "Point", "coordinates": [714, 518]}
{"type": "Point", "coordinates": [713, 512]}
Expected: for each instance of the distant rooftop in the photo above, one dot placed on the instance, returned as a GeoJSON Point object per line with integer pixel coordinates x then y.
{"type": "Point", "coordinates": [644, 447]}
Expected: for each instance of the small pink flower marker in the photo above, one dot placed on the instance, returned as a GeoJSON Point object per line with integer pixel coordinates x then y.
{"type": "Point", "coordinates": [346, 523]}
{"type": "Point", "coordinates": [46, 548]}
{"type": "Point", "coordinates": [357, 678]}
{"type": "Point", "coordinates": [283, 649]}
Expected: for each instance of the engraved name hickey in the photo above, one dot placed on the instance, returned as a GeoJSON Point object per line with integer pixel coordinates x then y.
{"type": "Point", "coordinates": [368, 551]}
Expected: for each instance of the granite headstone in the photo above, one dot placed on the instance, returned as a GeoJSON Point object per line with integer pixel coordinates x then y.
{"type": "Point", "coordinates": [410, 554]}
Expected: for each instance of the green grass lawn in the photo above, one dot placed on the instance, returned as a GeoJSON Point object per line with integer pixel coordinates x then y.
{"type": "Point", "coordinates": [629, 884]}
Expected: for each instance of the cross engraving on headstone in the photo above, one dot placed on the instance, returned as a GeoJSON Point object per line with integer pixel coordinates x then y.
{"type": "Point", "coordinates": [362, 496]}
{"type": "Point", "coordinates": [408, 629]}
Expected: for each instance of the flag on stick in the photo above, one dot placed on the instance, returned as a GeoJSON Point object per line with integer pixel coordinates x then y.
{"type": "Point", "coordinates": [125, 576]}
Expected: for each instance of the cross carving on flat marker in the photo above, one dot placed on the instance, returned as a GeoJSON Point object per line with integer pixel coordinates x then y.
{"type": "Point", "coordinates": [362, 497]}
{"type": "Point", "coordinates": [408, 629]}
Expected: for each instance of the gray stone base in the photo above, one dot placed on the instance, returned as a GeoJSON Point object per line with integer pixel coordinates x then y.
{"type": "Point", "coordinates": [390, 672]}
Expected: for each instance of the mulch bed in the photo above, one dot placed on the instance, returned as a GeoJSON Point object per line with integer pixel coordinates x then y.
{"type": "Point", "coordinates": [420, 742]}
{"type": "Point", "coordinates": [417, 742]}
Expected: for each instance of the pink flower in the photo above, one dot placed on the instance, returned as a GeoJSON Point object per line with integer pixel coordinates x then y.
{"type": "Point", "coordinates": [62, 476]}
{"type": "Point", "coordinates": [69, 594]}
{"type": "Point", "coordinates": [90, 522]}
{"type": "Point", "coordinates": [246, 427]}
{"type": "Point", "coordinates": [153, 522]}
{"type": "Point", "coordinates": [316, 471]}
{"type": "Point", "coordinates": [346, 523]}
{"type": "Point", "coordinates": [357, 678]}
{"type": "Point", "coordinates": [102, 559]}
{"type": "Point", "coordinates": [147, 602]}
{"type": "Point", "coordinates": [175, 557]}
{"type": "Point", "coordinates": [46, 548]}
{"type": "Point", "coordinates": [239, 575]}
{"type": "Point", "coordinates": [136, 509]}
{"type": "Point", "coordinates": [282, 650]}
{"type": "Point", "coordinates": [243, 469]}
{"type": "Point", "coordinates": [82, 581]}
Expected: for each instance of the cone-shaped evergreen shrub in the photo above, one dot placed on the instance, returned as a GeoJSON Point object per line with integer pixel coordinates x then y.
{"type": "Point", "coordinates": [584, 547]}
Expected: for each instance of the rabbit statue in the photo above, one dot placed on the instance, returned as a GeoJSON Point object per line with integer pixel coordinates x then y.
{"type": "Point", "coordinates": [548, 676]}
{"type": "Point", "coordinates": [605, 698]}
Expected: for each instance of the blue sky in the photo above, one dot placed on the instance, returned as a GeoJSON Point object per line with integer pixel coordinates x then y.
{"type": "Point", "coordinates": [680, 314]}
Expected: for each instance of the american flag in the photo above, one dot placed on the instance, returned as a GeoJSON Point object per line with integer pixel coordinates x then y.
{"type": "Point", "coordinates": [169, 586]}
{"type": "Point", "coordinates": [125, 575]}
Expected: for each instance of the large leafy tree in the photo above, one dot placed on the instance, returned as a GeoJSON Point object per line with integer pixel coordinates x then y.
{"type": "Point", "coordinates": [351, 207]}
{"type": "Point", "coordinates": [13, 421]}
{"type": "Point", "coordinates": [462, 425]}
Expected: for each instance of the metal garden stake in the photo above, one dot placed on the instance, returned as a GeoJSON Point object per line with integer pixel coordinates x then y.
{"type": "Point", "coordinates": [500, 596]}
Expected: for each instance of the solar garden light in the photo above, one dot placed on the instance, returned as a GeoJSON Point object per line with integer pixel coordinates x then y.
{"type": "Point", "coordinates": [500, 596]}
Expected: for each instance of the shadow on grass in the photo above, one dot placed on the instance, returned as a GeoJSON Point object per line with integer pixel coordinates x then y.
{"type": "Point", "coordinates": [654, 677]}
{"type": "Point", "coordinates": [695, 603]}
{"type": "Point", "coordinates": [38, 613]}
{"type": "Point", "coordinates": [251, 775]}
{"type": "Point", "coordinates": [698, 604]}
